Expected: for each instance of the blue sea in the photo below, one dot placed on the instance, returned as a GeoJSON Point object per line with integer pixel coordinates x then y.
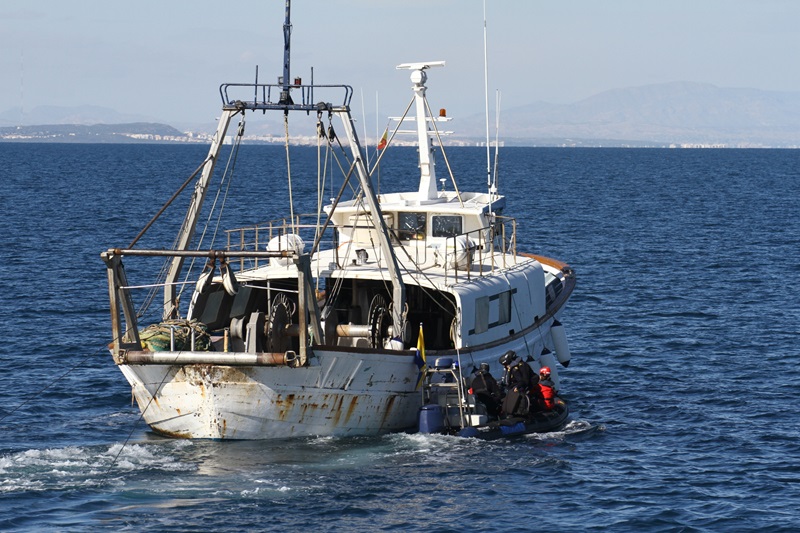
{"type": "Point", "coordinates": [684, 384]}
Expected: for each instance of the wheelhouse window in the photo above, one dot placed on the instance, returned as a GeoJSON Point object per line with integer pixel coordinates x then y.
{"type": "Point", "coordinates": [446, 225]}
{"type": "Point", "coordinates": [411, 226]}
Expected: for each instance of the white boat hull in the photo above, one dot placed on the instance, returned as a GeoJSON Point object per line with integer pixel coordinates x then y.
{"type": "Point", "coordinates": [339, 394]}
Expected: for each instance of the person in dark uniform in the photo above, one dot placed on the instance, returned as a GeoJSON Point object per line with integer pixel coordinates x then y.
{"type": "Point", "coordinates": [523, 396]}
{"type": "Point", "coordinates": [486, 390]}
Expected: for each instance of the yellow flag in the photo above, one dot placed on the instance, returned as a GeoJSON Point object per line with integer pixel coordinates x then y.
{"type": "Point", "coordinates": [421, 345]}
{"type": "Point", "coordinates": [382, 142]}
{"type": "Point", "coordinates": [419, 359]}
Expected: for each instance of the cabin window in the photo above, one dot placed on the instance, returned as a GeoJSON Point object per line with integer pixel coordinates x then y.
{"type": "Point", "coordinates": [411, 226]}
{"type": "Point", "coordinates": [481, 315]}
{"type": "Point", "coordinates": [492, 311]}
{"type": "Point", "coordinates": [504, 307]}
{"type": "Point", "coordinates": [446, 226]}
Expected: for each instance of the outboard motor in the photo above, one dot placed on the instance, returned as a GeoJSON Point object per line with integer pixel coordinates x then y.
{"type": "Point", "coordinates": [442, 363]}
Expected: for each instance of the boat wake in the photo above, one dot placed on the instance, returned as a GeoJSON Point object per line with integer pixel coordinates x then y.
{"type": "Point", "coordinates": [84, 467]}
{"type": "Point", "coordinates": [575, 428]}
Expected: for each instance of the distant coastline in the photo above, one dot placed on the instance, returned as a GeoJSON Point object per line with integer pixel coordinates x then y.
{"type": "Point", "coordinates": [98, 133]}
{"type": "Point", "coordinates": [155, 133]}
{"type": "Point", "coordinates": [666, 115]}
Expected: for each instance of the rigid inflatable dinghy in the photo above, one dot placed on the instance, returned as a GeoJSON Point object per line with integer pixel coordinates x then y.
{"type": "Point", "coordinates": [451, 408]}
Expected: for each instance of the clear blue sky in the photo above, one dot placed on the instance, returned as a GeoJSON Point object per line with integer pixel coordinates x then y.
{"type": "Point", "coordinates": [167, 57]}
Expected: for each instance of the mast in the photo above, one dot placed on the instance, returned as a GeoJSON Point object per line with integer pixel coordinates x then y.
{"type": "Point", "coordinates": [187, 230]}
{"type": "Point", "coordinates": [384, 240]}
{"type": "Point", "coordinates": [232, 107]}
{"type": "Point", "coordinates": [427, 164]}
{"type": "Point", "coordinates": [286, 98]}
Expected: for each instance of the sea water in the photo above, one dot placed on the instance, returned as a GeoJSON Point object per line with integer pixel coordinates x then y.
{"type": "Point", "coordinates": [684, 329]}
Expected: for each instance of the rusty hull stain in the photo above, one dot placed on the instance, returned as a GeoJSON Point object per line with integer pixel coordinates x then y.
{"type": "Point", "coordinates": [387, 410]}
{"type": "Point", "coordinates": [351, 409]}
{"type": "Point", "coordinates": [284, 405]}
{"type": "Point", "coordinates": [337, 409]}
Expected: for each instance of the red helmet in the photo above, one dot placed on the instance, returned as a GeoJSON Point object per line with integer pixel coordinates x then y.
{"type": "Point", "coordinates": [544, 372]}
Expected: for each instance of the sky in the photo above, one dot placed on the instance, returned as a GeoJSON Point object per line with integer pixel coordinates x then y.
{"type": "Point", "coordinates": [165, 59]}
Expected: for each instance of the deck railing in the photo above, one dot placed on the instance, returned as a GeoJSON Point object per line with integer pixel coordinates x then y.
{"type": "Point", "coordinates": [488, 248]}
{"type": "Point", "coordinates": [258, 237]}
{"type": "Point", "coordinates": [263, 96]}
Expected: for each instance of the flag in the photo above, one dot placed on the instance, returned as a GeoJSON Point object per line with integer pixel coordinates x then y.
{"type": "Point", "coordinates": [422, 364]}
{"type": "Point", "coordinates": [382, 142]}
{"type": "Point", "coordinates": [421, 344]}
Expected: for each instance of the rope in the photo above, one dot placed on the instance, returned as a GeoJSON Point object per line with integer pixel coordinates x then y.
{"type": "Point", "coordinates": [519, 318]}
{"type": "Point", "coordinates": [391, 137]}
{"type": "Point", "coordinates": [289, 170]}
{"type": "Point", "coordinates": [444, 154]}
{"type": "Point", "coordinates": [162, 274]}
{"type": "Point", "coordinates": [167, 204]}
{"type": "Point", "coordinates": [65, 374]}
{"type": "Point", "coordinates": [320, 179]}
{"type": "Point", "coordinates": [227, 179]}
{"type": "Point", "coordinates": [133, 428]}
{"type": "Point", "coordinates": [59, 378]}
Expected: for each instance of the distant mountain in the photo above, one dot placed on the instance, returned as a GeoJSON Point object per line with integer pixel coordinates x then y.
{"type": "Point", "coordinates": [680, 113]}
{"type": "Point", "coordinates": [95, 133]}
{"type": "Point", "coordinates": [86, 115]}
{"type": "Point", "coordinates": [669, 113]}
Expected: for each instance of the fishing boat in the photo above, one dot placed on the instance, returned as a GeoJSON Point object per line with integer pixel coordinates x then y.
{"type": "Point", "coordinates": [323, 324]}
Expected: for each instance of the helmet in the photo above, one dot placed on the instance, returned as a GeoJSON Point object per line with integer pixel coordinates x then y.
{"type": "Point", "coordinates": [485, 367]}
{"type": "Point", "coordinates": [544, 372]}
{"type": "Point", "coordinates": [507, 357]}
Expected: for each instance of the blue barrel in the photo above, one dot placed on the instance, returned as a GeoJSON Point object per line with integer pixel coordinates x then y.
{"type": "Point", "coordinates": [431, 419]}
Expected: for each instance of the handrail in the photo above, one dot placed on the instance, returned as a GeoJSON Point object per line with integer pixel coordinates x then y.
{"type": "Point", "coordinates": [263, 94]}
{"type": "Point", "coordinates": [485, 247]}
{"type": "Point", "coordinates": [488, 244]}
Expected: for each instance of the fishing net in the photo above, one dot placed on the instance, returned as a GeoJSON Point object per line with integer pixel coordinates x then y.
{"type": "Point", "coordinates": [160, 337]}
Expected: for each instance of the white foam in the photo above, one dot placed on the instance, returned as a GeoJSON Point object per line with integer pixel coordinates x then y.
{"type": "Point", "coordinates": [42, 469]}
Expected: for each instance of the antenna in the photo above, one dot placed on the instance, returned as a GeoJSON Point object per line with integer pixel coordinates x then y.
{"type": "Point", "coordinates": [489, 184]}
{"type": "Point", "coordinates": [287, 37]}
{"type": "Point", "coordinates": [496, 141]}
{"type": "Point", "coordinates": [21, 86]}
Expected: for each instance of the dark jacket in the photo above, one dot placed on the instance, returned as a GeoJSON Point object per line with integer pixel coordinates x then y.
{"type": "Point", "coordinates": [522, 377]}
{"type": "Point", "coordinates": [524, 396]}
{"type": "Point", "coordinates": [484, 383]}
{"type": "Point", "coordinates": [487, 391]}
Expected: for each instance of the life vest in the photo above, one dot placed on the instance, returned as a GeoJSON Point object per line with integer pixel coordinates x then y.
{"type": "Point", "coordinates": [521, 375]}
{"type": "Point", "coordinates": [516, 403]}
{"type": "Point", "coordinates": [549, 396]}
{"type": "Point", "coordinates": [484, 384]}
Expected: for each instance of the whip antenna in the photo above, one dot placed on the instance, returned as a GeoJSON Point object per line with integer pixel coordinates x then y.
{"type": "Point", "coordinates": [486, 103]}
